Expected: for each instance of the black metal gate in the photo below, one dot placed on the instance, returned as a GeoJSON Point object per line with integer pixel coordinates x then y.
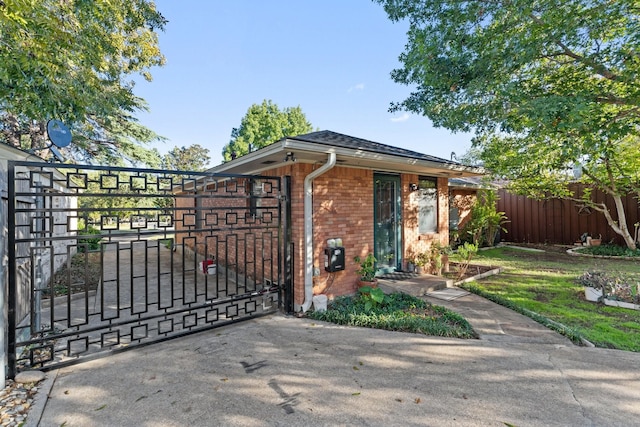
{"type": "Point", "coordinates": [104, 259]}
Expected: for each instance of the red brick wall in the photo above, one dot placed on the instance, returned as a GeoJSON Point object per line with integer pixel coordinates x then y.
{"type": "Point", "coordinates": [232, 235]}
{"type": "Point", "coordinates": [463, 200]}
{"type": "Point", "coordinates": [343, 208]}
{"type": "Point", "coordinates": [414, 242]}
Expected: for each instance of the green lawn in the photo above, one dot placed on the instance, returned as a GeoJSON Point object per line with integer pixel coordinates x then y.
{"type": "Point", "coordinates": [544, 283]}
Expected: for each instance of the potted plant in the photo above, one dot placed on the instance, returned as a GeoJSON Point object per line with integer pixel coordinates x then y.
{"type": "Point", "coordinates": [595, 285]}
{"type": "Point", "coordinates": [367, 271]}
{"type": "Point", "coordinates": [614, 290]}
{"type": "Point", "coordinates": [596, 242]}
{"type": "Point", "coordinates": [421, 261]}
{"type": "Point", "coordinates": [438, 258]}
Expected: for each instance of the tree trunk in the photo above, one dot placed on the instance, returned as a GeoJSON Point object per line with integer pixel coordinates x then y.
{"type": "Point", "coordinates": [609, 187]}
{"type": "Point", "coordinates": [619, 226]}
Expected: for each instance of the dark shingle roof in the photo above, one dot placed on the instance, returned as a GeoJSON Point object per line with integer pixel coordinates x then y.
{"type": "Point", "coordinates": [335, 139]}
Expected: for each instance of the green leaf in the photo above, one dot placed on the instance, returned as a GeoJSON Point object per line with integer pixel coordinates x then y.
{"type": "Point", "coordinates": [74, 61]}
{"type": "Point", "coordinates": [263, 125]}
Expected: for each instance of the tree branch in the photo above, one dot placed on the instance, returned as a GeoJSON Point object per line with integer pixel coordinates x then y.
{"type": "Point", "coordinates": [598, 68]}
{"type": "Point", "coordinates": [614, 100]}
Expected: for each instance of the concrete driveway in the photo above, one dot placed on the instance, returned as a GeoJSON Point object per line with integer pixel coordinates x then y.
{"type": "Point", "coordinates": [285, 371]}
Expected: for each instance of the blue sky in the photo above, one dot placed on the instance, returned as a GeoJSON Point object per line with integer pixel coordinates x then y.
{"type": "Point", "coordinates": [333, 58]}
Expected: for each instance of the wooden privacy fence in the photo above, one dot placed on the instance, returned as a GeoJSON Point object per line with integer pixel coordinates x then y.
{"type": "Point", "coordinates": [557, 221]}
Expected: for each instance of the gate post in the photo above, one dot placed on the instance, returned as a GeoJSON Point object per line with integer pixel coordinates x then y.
{"type": "Point", "coordinates": [11, 252]}
{"type": "Point", "coordinates": [288, 247]}
{"type": "Point", "coordinates": [3, 285]}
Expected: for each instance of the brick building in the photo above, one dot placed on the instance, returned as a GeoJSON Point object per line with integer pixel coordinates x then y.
{"type": "Point", "coordinates": [375, 198]}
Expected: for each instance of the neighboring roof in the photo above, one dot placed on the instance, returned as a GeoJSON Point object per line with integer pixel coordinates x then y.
{"type": "Point", "coordinates": [9, 152]}
{"type": "Point", "coordinates": [350, 152]}
{"type": "Point", "coordinates": [470, 183]}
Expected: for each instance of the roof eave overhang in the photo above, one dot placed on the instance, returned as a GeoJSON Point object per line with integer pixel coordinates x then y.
{"type": "Point", "coordinates": [307, 152]}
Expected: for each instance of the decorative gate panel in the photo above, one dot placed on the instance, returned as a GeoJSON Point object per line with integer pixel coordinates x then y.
{"type": "Point", "coordinates": [104, 259]}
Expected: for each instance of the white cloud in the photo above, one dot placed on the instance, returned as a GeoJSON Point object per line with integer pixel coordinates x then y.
{"type": "Point", "coordinates": [402, 118]}
{"type": "Point", "coordinates": [359, 86]}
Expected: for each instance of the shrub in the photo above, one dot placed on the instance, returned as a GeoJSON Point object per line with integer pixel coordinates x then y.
{"type": "Point", "coordinates": [486, 221]}
{"type": "Point", "coordinates": [465, 253]}
{"type": "Point", "coordinates": [92, 243]}
{"type": "Point", "coordinates": [596, 279]}
{"type": "Point", "coordinates": [397, 312]}
{"type": "Point", "coordinates": [610, 250]}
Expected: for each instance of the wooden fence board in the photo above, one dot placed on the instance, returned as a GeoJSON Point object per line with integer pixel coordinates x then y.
{"type": "Point", "coordinates": [556, 221]}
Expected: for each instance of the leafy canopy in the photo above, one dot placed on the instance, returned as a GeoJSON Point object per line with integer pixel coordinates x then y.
{"type": "Point", "coordinates": [263, 125]}
{"type": "Point", "coordinates": [192, 158]}
{"type": "Point", "coordinates": [74, 61]}
{"type": "Point", "coordinates": [533, 68]}
{"type": "Point", "coordinates": [545, 84]}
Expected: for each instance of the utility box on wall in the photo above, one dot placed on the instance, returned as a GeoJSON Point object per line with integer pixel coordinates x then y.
{"type": "Point", "coordinates": [334, 259]}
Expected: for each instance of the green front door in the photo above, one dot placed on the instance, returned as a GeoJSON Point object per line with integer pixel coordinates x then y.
{"type": "Point", "coordinates": [387, 221]}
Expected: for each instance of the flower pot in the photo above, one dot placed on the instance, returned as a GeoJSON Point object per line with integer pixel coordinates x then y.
{"type": "Point", "coordinates": [596, 242]}
{"type": "Point", "coordinates": [592, 294]}
{"type": "Point", "coordinates": [372, 284]}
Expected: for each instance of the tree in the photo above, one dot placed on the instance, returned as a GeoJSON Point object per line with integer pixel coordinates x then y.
{"type": "Point", "coordinates": [73, 61]}
{"type": "Point", "coordinates": [265, 124]}
{"type": "Point", "coordinates": [113, 201]}
{"type": "Point", "coordinates": [193, 158]}
{"type": "Point", "coordinates": [546, 85]}
{"type": "Point", "coordinates": [472, 157]}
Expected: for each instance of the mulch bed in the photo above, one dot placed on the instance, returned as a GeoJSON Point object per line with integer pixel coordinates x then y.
{"type": "Point", "coordinates": [85, 272]}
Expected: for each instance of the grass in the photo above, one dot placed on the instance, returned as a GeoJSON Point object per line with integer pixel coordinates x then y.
{"type": "Point", "coordinates": [544, 285]}
{"type": "Point", "coordinates": [398, 312]}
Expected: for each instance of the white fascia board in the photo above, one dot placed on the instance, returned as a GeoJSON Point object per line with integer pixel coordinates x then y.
{"type": "Point", "coordinates": [248, 158]}
{"type": "Point", "coordinates": [387, 159]}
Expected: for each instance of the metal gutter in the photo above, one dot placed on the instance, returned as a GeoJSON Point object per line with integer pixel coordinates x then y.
{"type": "Point", "coordinates": [308, 231]}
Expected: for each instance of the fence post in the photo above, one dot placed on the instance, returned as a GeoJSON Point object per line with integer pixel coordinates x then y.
{"type": "Point", "coordinates": [3, 282]}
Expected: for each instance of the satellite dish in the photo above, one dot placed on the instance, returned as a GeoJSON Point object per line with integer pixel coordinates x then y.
{"type": "Point", "coordinates": [59, 133]}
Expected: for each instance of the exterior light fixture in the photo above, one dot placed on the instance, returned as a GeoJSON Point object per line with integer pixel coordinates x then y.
{"type": "Point", "coordinates": [290, 157]}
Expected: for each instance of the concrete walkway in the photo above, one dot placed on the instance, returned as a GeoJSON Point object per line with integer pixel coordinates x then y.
{"type": "Point", "coordinates": [496, 323]}
{"type": "Point", "coordinates": [285, 371]}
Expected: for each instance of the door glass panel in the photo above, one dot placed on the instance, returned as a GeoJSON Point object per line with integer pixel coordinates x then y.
{"type": "Point", "coordinates": [387, 223]}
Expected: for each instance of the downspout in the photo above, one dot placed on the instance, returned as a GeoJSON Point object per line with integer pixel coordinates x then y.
{"type": "Point", "coordinates": [308, 229]}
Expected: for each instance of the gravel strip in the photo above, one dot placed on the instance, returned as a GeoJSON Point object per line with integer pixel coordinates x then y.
{"type": "Point", "coordinates": [15, 401]}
